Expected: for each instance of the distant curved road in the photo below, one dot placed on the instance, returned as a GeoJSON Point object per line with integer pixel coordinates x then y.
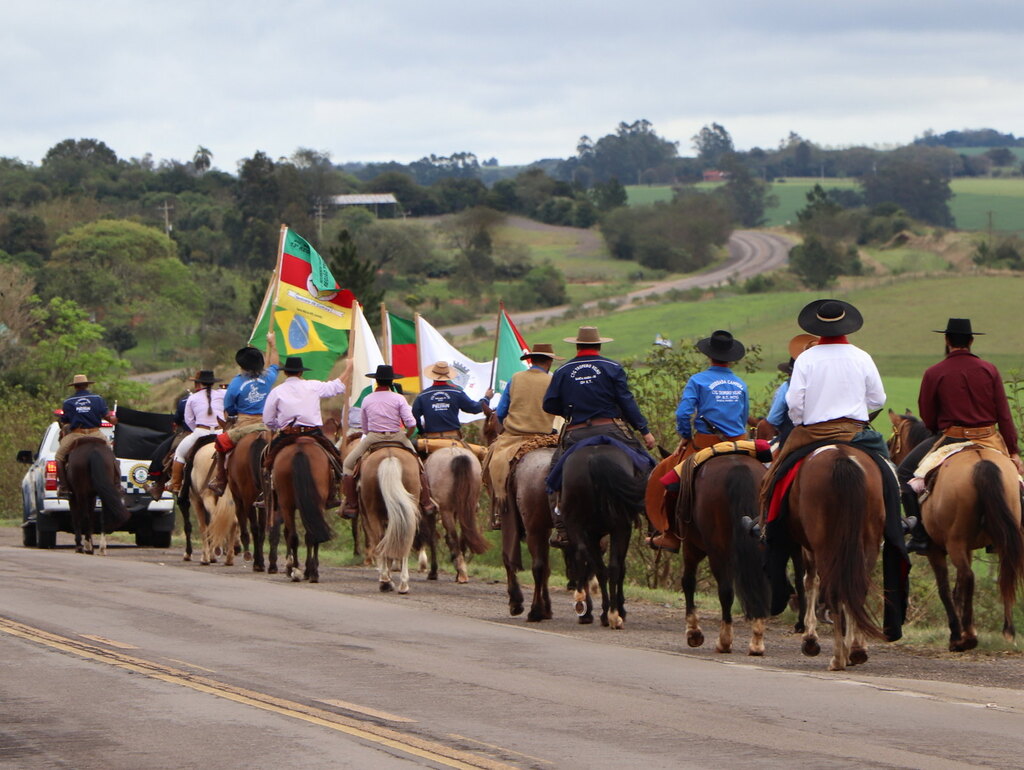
{"type": "Point", "coordinates": [750, 252]}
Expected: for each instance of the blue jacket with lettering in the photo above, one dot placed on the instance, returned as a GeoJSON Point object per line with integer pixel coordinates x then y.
{"type": "Point", "coordinates": [246, 395]}
{"type": "Point", "coordinates": [437, 408]}
{"type": "Point", "coordinates": [84, 410]}
{"type": "Point", "coordinates": [591, 386]}
{"type": "Point", "coordinates": [714, 401]}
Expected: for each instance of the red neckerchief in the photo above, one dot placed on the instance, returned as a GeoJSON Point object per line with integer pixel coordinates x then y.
{"type": "Point", "coordinates": [587, 352]}
{"type": "Point", "coordinates": [440, 382]}
{"type": "Point", "coordinates": [839, 340]}
{"type": "Point", "coordinates": [382, 387]}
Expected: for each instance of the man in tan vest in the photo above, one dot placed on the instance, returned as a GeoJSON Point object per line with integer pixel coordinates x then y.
{"type": "Point", "coordinates": [522, 416]}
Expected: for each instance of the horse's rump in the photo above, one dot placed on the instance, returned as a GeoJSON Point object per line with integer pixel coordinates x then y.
{"type": "Point", "coordinates": [298, 477]}
{"type": "Point", "coordinates": [93, 472]}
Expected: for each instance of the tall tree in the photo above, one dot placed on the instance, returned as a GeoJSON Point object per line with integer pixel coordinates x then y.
{"type": "Point", "coordinates": [202, 160]}
{"type": "Point", "coordinates": [354, 273]}
{"type": "Point", "coordinates": [913, 185]}
{"type": "Point", "coordinates": [711, 143]}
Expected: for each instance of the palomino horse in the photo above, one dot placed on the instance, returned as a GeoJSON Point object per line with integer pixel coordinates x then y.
{"type": "Point", "coordinates": [301, 478]}
{"type": "Point", "coordinates": [389, 487]}
{"type": "Point", "coordinates": [92, 473]}
{"type": "Point", "coordinates": [975, 502]}
{"type": "Point", "coordinates": [837, 514]}
{"type": "Point", "coordinates": [907, 432]}
{"type": "Point", "coordinates": [454, 474]}
{"type": "Point", "coordinates": [600, 496]}
{"type": "Point", "coordinates": [224, 529]}
{"type": "Point", "coordinates": [725, 490]}
{"type": "Point", "coordinates": [196, 495]}
{"type": "Point", "coordinates": [528, 513]}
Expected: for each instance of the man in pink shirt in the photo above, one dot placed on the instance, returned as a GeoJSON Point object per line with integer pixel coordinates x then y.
{"type": "Point", "coordinates": [386, 416]}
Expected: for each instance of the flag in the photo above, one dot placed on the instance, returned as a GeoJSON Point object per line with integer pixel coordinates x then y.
{"type": "Point", "coordinates": [310, 314]}
{"type": "Point", "coordinates": [510, 349]}
{"type": "Point", "coordinates": [366, 357]}
{"type": "Point", "coordinates": [400, 345]}
{"type": "Point", "coordinates": [472, 376]}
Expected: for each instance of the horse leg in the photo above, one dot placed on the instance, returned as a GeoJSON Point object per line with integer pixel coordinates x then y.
{"type": "Point", "coordinates": [601, 573]}
{"type": "Point", "coordinates": [801, 591]}
{"type": "Point", "coordinates": [540, 558]}
{"type": "Point", "coordinates": [187, 526]}
{"type": "Point", "coordinates": [384, 575]}
{"type": "Point", "coordinates": [451, 538]}
{"type": "Point", "coordinates": [691, 560]}
{"type": "Point", "coordinates": [356, 547]}
{"type": "Point", "coordinates": [312, 573]}
{"type": "Point", "coordinates": [616, 578]}
{"type": "Point", "coordinates": [292, 542]}
{"type": "Point", "coordinates": [511, 557]}
{"type": "Point", "coordinates": [858, 648]}
{"type": "Point", "coordinates": [941, 569]}
{"type": "Point", "coordinates": [810, 645]}
{"type": "Point", "coordinates": [726, 596]}
{"type": "Point", "coordinates": [403, 575]}
{"type": "Point", "coordinates": [274, 536]}
{"type": "Point", "coordinates": [756, 647]}
{"type": "Point", "coordinates": [963, 595]}
{"type": "Point", "coordinates": [582, 602]}
{"type": "Point", "coordinates": [258, 525]}
{"type": "Point", "coordinates": [428, 524]}
{"type": "Point", "coordinates": [841, 626]}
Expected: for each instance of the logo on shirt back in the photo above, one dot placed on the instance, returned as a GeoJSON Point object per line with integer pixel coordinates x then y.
{"type": "Point", "coordinates": [584, 374]}
{"type": "Point", "coordinates": [83, 405]}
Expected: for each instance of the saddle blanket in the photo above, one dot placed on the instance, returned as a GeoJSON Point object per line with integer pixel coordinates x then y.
{"type": "Point", "coordinates": [642, 462]}
{"type": "Point", "coordinates": [759, 449]}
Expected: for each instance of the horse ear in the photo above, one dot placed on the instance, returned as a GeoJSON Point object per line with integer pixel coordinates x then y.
{"type": "Point", "coordinates": [894, 418]}
{"type": "Point", "coordinates": [908, 413]}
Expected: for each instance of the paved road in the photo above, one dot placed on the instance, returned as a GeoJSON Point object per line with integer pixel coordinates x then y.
{"type": "Point", "coordinates": [116, 663]}
{"type": "Point", "coordinates": [750, 252]}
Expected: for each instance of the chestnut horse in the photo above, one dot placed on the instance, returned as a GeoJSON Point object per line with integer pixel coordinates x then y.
{"type": "Point", "coordinates": [975, 502]}
{"type": "Point", "coordinates": [301, 477]}
{"type": "Point", "coordinates": [245, 485]}
{"type": "Point", "coordinates": [907, 432]}
{"type": "Point", "coordinates": [92, 472]}
{"type": "Point", "coordinates": [389, 488]}
{"type": "Point", "coordinates": [454, 474]}
{"type": "Point", "coordinates": [725, 490]}
{"type": "Point", "coordinates": [837, 514]}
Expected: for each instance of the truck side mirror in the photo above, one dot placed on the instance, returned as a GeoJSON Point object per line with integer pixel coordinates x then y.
{"type": "Point", "coordinates": [26, 456]}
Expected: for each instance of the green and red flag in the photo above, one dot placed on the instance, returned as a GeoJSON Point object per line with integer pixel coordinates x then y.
{"type": "Point", "coordinates": [509, 351]}
{"type": "Point", "coordinates": [400, 347]}
{"type": "Point", "coordinates": [309, 312]}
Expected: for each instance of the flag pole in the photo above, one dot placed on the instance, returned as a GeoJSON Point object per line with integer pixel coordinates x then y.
{"type": "Point", "coordinates": [357, 312]}
{"type": "Point", "coordinates": [497, 334]}
{"type": "Point", "coordinates": [416, 333]}
{"type": "Point", "coordinates": [272, 286]}
{"type": "Point", "coordinates": [385, 329]}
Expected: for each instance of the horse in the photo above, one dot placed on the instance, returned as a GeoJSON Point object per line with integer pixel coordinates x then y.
{"type": "Point", "coordinates": [389, 488]}
{"type": "Point", "coordinates": [224, 529]}
{"type": "Point", "coordinates": [245, 485]}
{"type": "Point", "coordinates": [454, 475]}
{"type": "Point", "coordinates": [197, 495]}
{"type": "Point", "coordinates": [975, 502]}
{"type": "Point", "coordinates": [837, 515]}
{"type": "Point", "coordinates": [907, 432]}
{"type": "Point", "coordinates": [301, 478]}
{"type": "Point", "coordinates": [92, 472]}
{"type": "Point", "coordinates": [725, 490]}
{"type": "Point", "coordinates": [600, 496]}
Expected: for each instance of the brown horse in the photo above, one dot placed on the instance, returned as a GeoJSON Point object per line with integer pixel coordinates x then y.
{"type": "Point", "coordinates": [245, 485]}
{"type": "Point", "coordinates": [454, 475]}
{"type": "Point", "coordinates": [907, 432]}
{"type": "Point", "coordinates": [837, 514]}
{"type": "Point", "coordinates": [301, 477]}
{"type": "Point", "coordinates": [975, 502]}
{"type": "Point", "coordinates": [725, 490]}
{"type": "Point", "coordinates": [92, 472]}
{"type": "Point", "coordinates": [389, 486]}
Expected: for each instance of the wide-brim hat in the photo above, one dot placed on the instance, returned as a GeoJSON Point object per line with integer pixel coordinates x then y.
{"type": "Point", "coordinates": [293, 365]}
{"type": "Point", "coordinates": [958, 326]}
{"type": "Point", "coordinates": [205, 377]}
{"type": "Point", "coordinates": [249, 358]}
{"type": "Point", "coordinates": [800, 343]}
{"type": "Point", "coordinates": [588, 335]}
{"type": "Point", "coordinates": [786, 367]}
{"type": "Point", "coordinates": [79, 379]}
{"type": "Point", "coordinates": [384, 372]}
{"type": "Point", "coordinates": [439, 371]}
{"type": "Point", "coordinates": [545, 349]}
{"type": "Point", "coordinates": [830, 318]}
{"type": "Point", "coordinates": [722, 346]}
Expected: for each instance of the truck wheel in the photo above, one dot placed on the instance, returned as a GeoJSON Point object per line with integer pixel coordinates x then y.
{"type": "Point", "coordinates": [28, 535]}
{"type": "Point", "coordinates": [161, 540]}
{"type": "Point", "coordinates": [143, 538]}
{"type": "Point", "coordinates": [46, 539]}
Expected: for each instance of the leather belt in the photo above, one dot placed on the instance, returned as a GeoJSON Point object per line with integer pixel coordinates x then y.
{"type": "Point", "coordinates": [84, 430]}
{"type": "Point", "coordinates": [593, 421]}
{"type": "Point", "coordinates": [208, 427]}
{"type": "Point", "coordinates": [959, 431]}
{"type": "Point", "coordinates": [444, 434]}
{"type": "Point", "coordinates": [300, 429]}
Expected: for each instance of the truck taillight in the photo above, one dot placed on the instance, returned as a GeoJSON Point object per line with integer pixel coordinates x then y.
{"type": "Point", "coordinates": [51, 475]}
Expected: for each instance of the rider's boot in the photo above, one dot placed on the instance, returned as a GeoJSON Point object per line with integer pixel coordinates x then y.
{"type": "Point", "coordinates": [218, 480]}
{"type": "Point", "coordinates": [427, 504]}
{"type": "Point", "coordinates": [63, 490]}
{"type": "Point", "coordinates": [177, 471]}
{"type": "Point", "coordinates": [333, 492]}
{"type": "Point", "coordinates": [348, 489]}
{"type": "Point", "coordinates": [559, 538]}
{"type": "Point", "coordinates": [919, 541]}
{"type": "Point", "coordinates": [667, 540]}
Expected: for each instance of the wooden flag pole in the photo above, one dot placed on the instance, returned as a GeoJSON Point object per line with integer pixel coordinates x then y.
{"type": "Point", "coordinates": [385, 329]}
{"type": "Point", "coordinates": [497, 334]}
{"type": "Point", "coordinates": [272, 287]}
{"type": "Point", "coordinates": [416, 334]}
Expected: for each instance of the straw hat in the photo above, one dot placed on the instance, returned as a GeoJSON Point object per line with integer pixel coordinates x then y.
{"type": "Point", "coordinates": [588, 335]}
{"type": "Point", "coordinates": [438, 372]}
{"type": "Point", "coordinates": [545, 349]}
{"type": "Point", "coordinates": [79, 379]}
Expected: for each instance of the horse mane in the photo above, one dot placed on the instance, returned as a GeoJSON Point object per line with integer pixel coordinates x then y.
{"type": "Point", "coordinates": [917, 431]}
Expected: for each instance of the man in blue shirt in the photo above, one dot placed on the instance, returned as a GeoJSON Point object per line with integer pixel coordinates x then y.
{"type": "Point", "coordinates": [778, 414]}
{"type": "Point", "coordinates": [81, 414]}
{"type": "Point", "coordinates": [437, 408]}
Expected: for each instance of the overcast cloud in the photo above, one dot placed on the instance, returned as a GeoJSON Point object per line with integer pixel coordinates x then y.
{"type": "Point", "coordinates": [382, 79]}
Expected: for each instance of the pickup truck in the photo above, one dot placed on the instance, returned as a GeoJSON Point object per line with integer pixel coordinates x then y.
{"type": "Point", "coordinates": [44, 514]}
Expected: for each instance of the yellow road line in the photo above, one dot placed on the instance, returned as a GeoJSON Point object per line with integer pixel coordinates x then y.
{"type": "Point", "coordinates": [192, 665]}
{"type": "Point", "coordinates": [370, 712]}
{"type": "Point", "coordinates": [408, 744]}
{"type": "Point", "coordinates": [109, 642]}
{"type": "Point", "coordinates": [499, 748]}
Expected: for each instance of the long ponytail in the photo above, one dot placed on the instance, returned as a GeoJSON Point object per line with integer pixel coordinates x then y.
{"type": "Point", "coordinates": [209, 399]}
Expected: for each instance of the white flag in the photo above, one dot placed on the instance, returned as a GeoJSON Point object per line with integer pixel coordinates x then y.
{"type": "Point", "coordinates": [366, 356]}
{"type": "Point", "coordinates": [473, 377]}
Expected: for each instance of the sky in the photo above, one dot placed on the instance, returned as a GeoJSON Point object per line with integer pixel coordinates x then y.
{"type": "Point", "coordinates": [376, 80]}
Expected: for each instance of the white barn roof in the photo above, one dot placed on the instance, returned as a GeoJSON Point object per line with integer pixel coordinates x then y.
{"type": "Point", "coordinates": [363, 199]}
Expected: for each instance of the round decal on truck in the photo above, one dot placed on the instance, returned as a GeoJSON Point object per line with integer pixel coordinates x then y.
{"type": "Point", "coordinates": [139, 474]}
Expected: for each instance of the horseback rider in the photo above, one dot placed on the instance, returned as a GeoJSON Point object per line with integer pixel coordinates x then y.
{"type": "Point", "coordinates": [244, 400]}
{"type": "Point", "coordinates": [203, 409]}
{"type": "Point", "coordinates": [157, 478]}
{"type": "Point", "coordinates": [592, 394]}
{"type": "Point", "coordinates": [385, 416]}
{"type": "Point", "coordinates": [436, 409]}
{"type": "Point", "coordinates": [293, 410]}
{"type": "Point", "coordinates": [81, 415]}
{"type": "Point", "coordinates": [962, 398]}
{"type": "Point", "coordinates": [778, 413]}
{"type": "Point", "coordinates": [713, 408]}
{"type": "Point", "coordinates": [521, 413]}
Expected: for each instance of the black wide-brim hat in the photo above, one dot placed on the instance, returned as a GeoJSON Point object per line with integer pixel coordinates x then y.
{"type": "Point", "coordinates": [205, 377]}
{"type": "Point", "coordinates": [830, 318]}
{"type": "Point", "coordinates": [293, 365]}
{"type": "Point", "coordinates": [249, 358]}
{"type": "Point", "coordinates": [384, 372]}
{"type": "Point", "coordinates": [722, 346]}
{"type": "Point", "coordinates": [958, 326]}
{"type": "Point", "coordinates": [786, 367]}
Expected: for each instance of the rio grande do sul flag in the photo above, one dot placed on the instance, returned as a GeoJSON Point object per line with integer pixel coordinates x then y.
{"type": "Point", "coordinates": [510, 348]}
{"type": "Point", "coordinates": [400, 346]}
{"type": "Point", "coordinates": [310, 314]}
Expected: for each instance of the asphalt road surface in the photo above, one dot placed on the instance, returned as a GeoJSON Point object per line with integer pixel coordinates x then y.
{"type": "Point", "coordinates": [134, 660]}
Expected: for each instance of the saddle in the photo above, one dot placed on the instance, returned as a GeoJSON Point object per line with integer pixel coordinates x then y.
{"type": "Point", "coordinates": [427, 446]}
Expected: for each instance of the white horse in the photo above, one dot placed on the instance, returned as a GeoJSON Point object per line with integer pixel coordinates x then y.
{"type": "Point", "coordinates": [389, 488]}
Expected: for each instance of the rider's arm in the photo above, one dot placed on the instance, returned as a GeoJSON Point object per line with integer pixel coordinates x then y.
{"type": "Point", "coordinates": [503, 403]}
{"type": "Point", "coordinates": [875, 393]}
{"type": "Point", "coordinates": [273, 359]}
{"type": "Point", "coordinates": [687, 408]}
{"type": "Point", "coordinates": [796, 394]}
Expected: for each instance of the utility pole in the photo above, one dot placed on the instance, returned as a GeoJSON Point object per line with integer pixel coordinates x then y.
{"type": "Point", "coordinates": [989, 229]}
{"type": "Point", "coordinates": [319, 212]}
{"type": "Point", "coordinates": [167, 208]}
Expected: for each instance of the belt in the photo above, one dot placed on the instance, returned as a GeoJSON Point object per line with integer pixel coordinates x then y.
{"type": "Point", "coordinates": [208, 427]}
{"type": "Point", "coordinates": [84, 430]}
{"type": "Point", "coordinates": [444, 434]}
{"type": "Point", "coordinates": [840, 420]}
{"type": "Point", "coordinates": [300, 429]}
{"type": "Point", "coordinates": [593, 421]}
{"type": "Point", "coordinates": [959, 431]}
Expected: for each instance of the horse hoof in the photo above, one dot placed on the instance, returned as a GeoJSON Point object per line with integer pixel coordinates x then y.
{"type": "Point", "coordinates": [217, 551]}
{"type": "Point", "coordinates": [246, 556]}
{"type": "Point", "coordinates": [723, 649]}
{"type": "Point", "coordinates": [616, 623]}
{"type": "Point", "coordinates": [535, 617]}
{"type": "Point", "coordinates": [432, 576]}
{"type": "Point", "coordinates": [462, 579]}
{"type": "Point", "coordinates": [604, 620]}
{"type": "Point", "coordinates": [515, 609]}
{"type": "Point", "coordinates": [187, 557]}
{"type": "Point", "coordinates": [694, 638]}
{"type": "Point", "coordinates": [258, 568]}
{"type": "Point", "coordinates": [314, 579]}
{"type": "Point", "coordinates": [204, 563]}
{"type": "Point", "coordinates": [586, 620]}
{"type": "Point", "coordinates": [810, 647]}
{"type": "Point", "coordinates": [835, 665]}
{"type": "Point", "coordinates": [799, 628]}
{"type": "Point", "coordinates": [403, 589]}
{"type": "Point", "coordinates": [858, 657]}
{"type": "Point", "coordinates": [272, 570]}
{"type": "Point", "coordinates": [386, 587]}
{"type": "Point", "coordinates": [969, 643]}
{"type": "Point", "coordinates": [580, 608]}
{"type": "Point", "coordinates": [296, 576]}
{"type": "Point", "coordinates": [756, 653]}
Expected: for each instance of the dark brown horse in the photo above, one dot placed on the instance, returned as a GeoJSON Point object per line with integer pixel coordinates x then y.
{"type": "Point", "coordinates": [600, 497]}
{"type": "Point", "coordinates": [907, 432]}
{"type": "Point", "coordinates": [92, 473]}
{"type": "Point", "coordinates": [975, 502]}
{"type": "Point", "coordinates": [837, 514]}
{"type": "Point", "coordinates": [725, 490]}
{"type": "Point", "coordinates": [301, 481]}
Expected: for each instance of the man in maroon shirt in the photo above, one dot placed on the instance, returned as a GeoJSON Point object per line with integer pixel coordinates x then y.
{"type": "Point", "coordinates": [962, 398]}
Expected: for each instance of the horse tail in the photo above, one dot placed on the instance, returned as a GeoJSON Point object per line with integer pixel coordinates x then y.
{"type": "Point", "coordinates": [307, 499]}
{"type": "Point", "coordinates": [615, 489]}
{"type": "Point", "coordinates": [403, 513]}
{"type": "Point", "coordinates": [222, 522]}
{"type": "Point", "coordinates": [997, 520]}
{"type": "Point", "coordinates": [748, 571]}
{"type": "Point", "coordinates": [464, 503]}
{"type": "Point", "coordinates": [114, 511]}
{"type": "Point", "coordinates": [845, 581]}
